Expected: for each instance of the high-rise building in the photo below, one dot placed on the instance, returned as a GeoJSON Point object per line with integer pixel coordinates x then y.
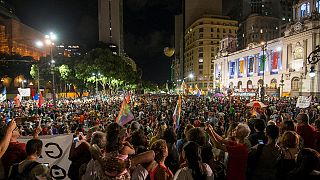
{"type": "Point", "coordinates": [202, 45]}
{"type": "Point", "coordinates": [196, 9]}
{"type": "Point", "coordinates": [110, 15]}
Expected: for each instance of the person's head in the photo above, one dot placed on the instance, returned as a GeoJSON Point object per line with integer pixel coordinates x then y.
{"type": "Point", "coordinates": [99, 138]}
{"type": "Point", "coordinates": [34, 147]}
{"type": "Point", "coordinates": [196, 135]}
{"type": "Point", "coordinates": [241, 131]}
{"type": "Point", "coordinates": [160, 150]}
{"type": "Point", "coordinates": [288, 126]}
{"type": "Point", "coordinates": [192, 154]}
{"type": "Point", "coordinates": [302, 118]}
{"type": "Point", "coordinates": [272, 132]}
{"type": "Point", "coordinates": [289, 139]}
{"type": "Point", "coordinates": [259, 125]}
{"type": "Point", "coordinates": [231, 128]}
{"type": "Point", "coordinates": [187, 128]}
{"type": "Point", "coordinates": [169, 135]}
{"type": "Point", "coordinates": [134, 126]}
{"type": "Point", "coordinates": [113, 137]}
{"type": "Point", "coordinates": [308, 160]}
{"type": "Point", "coordinates": [138, 138]}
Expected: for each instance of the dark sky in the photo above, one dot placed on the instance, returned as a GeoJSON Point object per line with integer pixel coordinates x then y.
{"type": "Point", "coordinates": [148, 27]}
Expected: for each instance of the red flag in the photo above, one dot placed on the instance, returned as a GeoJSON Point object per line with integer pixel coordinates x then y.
{"type": "Point", "coordinates": [40, 100]}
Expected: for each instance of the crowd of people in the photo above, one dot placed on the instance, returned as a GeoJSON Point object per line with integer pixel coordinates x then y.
{"type": "Point", "coordinates": [218, 138]}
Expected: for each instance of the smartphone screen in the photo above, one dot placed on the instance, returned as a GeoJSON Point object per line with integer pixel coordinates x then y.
{"type": "Point", "coordinates": [46, 164]}
{"type": "Point", "coordinates": [260, 141]}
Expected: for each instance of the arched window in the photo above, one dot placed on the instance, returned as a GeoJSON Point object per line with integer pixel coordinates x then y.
{"type": "Point", "coordinates": [239, 84]}
{"type": "Point", "coordinates": [295, 84]}
{"type": "Point", "coordinates": [273, 84]}
{"type": "Point", "coordinates": [249, 84]}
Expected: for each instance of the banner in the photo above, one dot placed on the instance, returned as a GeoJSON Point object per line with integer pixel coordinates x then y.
{"type": "Point", "coordinates": [24, 92]}
{"type": "Point", "coordinates": [250, 66]}
{"type": "Point", "coordinates": [303, 102]}
{"type": "Point", "coordinates": [241, 68]}
{"type": "Point", "coordinates": [262, 64]}
{"type": "Point", "coordinates": [232, 69]}
{"type": "Point", "coordinates": [55, 151]}
{"type": "Point", "coordinates": [275, 63]}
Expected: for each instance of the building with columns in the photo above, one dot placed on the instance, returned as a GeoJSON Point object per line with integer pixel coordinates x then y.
{"type": "Point", "coordinates": [280, 65]}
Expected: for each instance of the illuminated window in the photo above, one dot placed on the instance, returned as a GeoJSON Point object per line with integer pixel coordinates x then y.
{"type": "Point", "coordinates": [318, 6]}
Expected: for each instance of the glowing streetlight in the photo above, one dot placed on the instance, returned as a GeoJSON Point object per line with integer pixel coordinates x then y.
{"type": "Point", "coordinates": [191, 76]}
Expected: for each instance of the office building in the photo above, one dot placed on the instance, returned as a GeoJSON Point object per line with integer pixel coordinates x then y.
{"type": "Point", "coordinates": [110, 14]}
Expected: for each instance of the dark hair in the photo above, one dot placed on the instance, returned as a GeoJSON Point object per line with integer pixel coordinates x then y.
{"type": "Point", "coordinates": [272, 131]}
{"type": "Point", "coordinates": [259, 125]}
{"type": "Point", "coordinates": [197, 135]}
{"type": "Point", "coordinates": [159, 148]}
{"type": "Point", "coordinates": [288, 126]}
{"type": "Point", "coordinates": [169, 135]}
{"type": "Point", "coordinates": [138, 138]}
{"type": "Point", "coordinates": [303, 117]}
{"type": "Point", "coordinates": [99, 138]}
{"type": "Point", "coordinates": [307, 160]}
{"type": "Point", "coordinates": [113, 137]}
{"type": "Point", "coordinates": [34, 146]}
{"type": "Point", "coordinates": [193, 156]}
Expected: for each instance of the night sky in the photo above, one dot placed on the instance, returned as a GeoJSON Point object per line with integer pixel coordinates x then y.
{"type": "Point", "coordinates": [148, 27]}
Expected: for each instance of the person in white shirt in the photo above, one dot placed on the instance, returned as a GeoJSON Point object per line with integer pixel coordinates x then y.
{"type": "Point", "coordinates": [193, 168]}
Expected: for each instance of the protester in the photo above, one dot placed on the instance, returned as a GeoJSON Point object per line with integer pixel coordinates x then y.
{"type": "Point", "coordinates": [193, 168]}
{"type": "Point", "coordinates": [305, 130]}
{"type": "Point", "coordinates": [30, 168]}
{"type": "Point", "coordinates": [5, 141]}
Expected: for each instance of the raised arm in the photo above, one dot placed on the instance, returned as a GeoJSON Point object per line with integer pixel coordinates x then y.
{"type": "Point", "coordinates": [4, 143]}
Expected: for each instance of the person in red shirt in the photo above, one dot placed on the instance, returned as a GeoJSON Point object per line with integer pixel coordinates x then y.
{"type": "Point", "coordinates": [316, 144]}
{"type": "Point", "coordinates": [238, 150]}
{"type": "Point", "coordinates": [15, 153]}
{"type": "Point", "coordinates": [305, 130]}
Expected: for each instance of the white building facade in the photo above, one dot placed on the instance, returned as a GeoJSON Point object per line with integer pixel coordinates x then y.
{"type": "Point", "coordinates": [280, 65]}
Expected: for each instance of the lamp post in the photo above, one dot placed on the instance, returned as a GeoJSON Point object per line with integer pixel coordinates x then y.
{"type": "Point", "coordinates": [313, 59]}
{"type": "Point", "coordinates": [281, 86]}
{"type": "Point", "coordinates": [96, 81]}
{"type": "Point", "coordinates": [49, 41]}
{"type": "Point", "coordinates": [264, 47]}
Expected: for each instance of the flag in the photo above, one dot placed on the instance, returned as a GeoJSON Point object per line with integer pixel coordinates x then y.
{"type": "Point", "coordinates": [40, 100]}
{"type": "Point", "coordinates": [3, 96]}
{"type": "Point", "coordinates": [177, 113]}
{"type": "Point", "coordinates": [125, 114]}
{"type": "Point", "coordinates": [36, 97]}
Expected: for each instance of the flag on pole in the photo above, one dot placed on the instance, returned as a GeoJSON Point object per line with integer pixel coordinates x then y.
{"type": "Point", "coordinates": [125, 114]}
{"type": "Point", "coordinates": [177, 113]}
{"type": "Point", "coordinates": [3, 96]}
{"type": "Point", "coordinates": [40, 100]}
{"type": "Point", "coordinates": [36, 97]}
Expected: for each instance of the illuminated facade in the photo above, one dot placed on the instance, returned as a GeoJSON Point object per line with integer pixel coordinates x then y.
{"type": "Point", "coordinates": [279, 65]}
{"type": "Point", "coordinates": [18, 38]}
{"type": "Point", "coordinates": [202, 40]}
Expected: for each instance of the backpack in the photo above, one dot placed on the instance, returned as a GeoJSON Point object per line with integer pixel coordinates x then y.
{"type": "Point", "coordinates": [15, 175]}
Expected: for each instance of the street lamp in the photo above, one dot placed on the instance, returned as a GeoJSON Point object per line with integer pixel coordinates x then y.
{"type": "Point", "coordinates": [96, 80]}
{"type": "Point", "coordinates": [264, 47]}
{"type": "Point", "coordinates": [191, 76]}
{"type": "Point", "coordinates": [49, 41]}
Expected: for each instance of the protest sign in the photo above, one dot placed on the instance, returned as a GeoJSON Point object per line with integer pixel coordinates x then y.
{"type": "Point", "coordinates": [303, 102]}
{"type": "Point", "coordinates": [55, 152]}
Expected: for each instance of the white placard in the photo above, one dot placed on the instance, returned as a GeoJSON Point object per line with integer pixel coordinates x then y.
{"type": "Point", "coordinates": [303, 102]}
{"type": "Point", "coordinates": [24, 92]}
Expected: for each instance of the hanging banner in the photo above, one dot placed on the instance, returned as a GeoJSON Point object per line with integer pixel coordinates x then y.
{"type": "Point", "coordinates": [275, 63]}
{"type": "Point", "coordinates": [262, 62]}
{"type": "Point", "coordinates": [55, 152]}
{"type": "Point", "coordinates": [250, 66]}
{"type": "Point", "coordinates": [241, 68]}
{"type": "Point", "coordinates": [232, 69]}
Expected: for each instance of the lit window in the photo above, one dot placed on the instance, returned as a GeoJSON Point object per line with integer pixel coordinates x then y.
{"type": "Point", "coordinates": [200, 60]}
{"type": "Point", "coordinates": [318, 6]}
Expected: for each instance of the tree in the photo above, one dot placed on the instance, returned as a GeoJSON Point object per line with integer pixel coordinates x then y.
{"type": "Point", "coordinates": [64, 71]}
{"type": "Point", "coordinates": [34, 72]}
